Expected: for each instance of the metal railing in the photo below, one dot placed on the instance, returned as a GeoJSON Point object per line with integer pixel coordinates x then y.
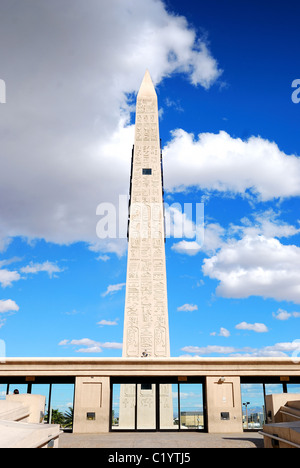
{"type": "Point", "coordinates": [274, 437]}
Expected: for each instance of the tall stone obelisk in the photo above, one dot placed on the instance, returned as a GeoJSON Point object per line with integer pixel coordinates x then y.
{"type": "Point", "coordinates": [146, 326]}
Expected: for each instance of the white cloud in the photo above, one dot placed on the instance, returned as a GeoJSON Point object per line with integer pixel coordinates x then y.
{"type": "Point", "coordinates": [107, 322]}
{"type": "Point", "coordinates": [224, 332]}
{"type": "Point", "coordinates": [90, 346]}
{"type": "Point", "coordinates": [284, 315]}
{"type": "Point", "coordinates": [103, 258]}
{"type": "Point", "coordinates": [256, 327]}
{"type": "Point", "coordinates": [210, 240]}
{"type": "Point", "coordinates": [187, 247]}
{"type": "Point", "coordinates": [211, 349]}
{"type": "Point", "coordinates": [230, 165]}
{"type": "Point", "coordinates": [267, 223]}
{"type": "Point", "coordinates": [65, 133]}
{"type": "Point", "coordinates": [8, 306]}
{"type": "Point", "coordinates": [112, 288]}
{"type": "Point", "coordinates": [48, 267]}
{"type": "Point", "coordinates": [187, 308]}
{"type": "Point", "coordinates": [284, 349]}
{"type": "Point", "coordinates": [8, 277]}
{"type": "Point", "coordinates": [256, 266]}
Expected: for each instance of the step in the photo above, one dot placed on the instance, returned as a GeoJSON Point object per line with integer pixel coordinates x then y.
{"type": "Point", "coordinates": [23, 435]}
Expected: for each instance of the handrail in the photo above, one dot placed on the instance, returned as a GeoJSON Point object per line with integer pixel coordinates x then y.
{"type": "Point", "coordinates": [271, 436]}
{"type": "Point", "coordinates": [290, 414]}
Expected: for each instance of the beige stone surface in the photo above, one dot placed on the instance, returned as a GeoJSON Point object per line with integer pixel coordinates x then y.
{"type": "Point", "coordinates": [34, 403]}
{"type": "Point", "coordinates": [162, 440]}
{"type": "Point", "coordinates": [287, 435]}
{"type": "Point", "coordinates": [146, 326]}
{"type": "Point", "coordinates": [25, 435]}
{"type": "Point", "coordinates": [203, 366]}
{"type": "Point", "coordinates": [92, 395]}
{"type": "Point", "coordinates": [276, 401]}
{"type": "Point", "coordinates": [13, 411]}
{"type": "Point", "coordinates": [224, 396]}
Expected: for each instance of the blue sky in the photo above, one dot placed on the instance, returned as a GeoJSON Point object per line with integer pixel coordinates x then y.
{"type": "Point", "coordinates": [229, 127]}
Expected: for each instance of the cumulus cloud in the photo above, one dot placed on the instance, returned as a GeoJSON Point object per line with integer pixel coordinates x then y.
{"type": "Point", "coordinates": [284, 349]}
{"type": "Point", "coordinates": [90, 346]}
{"type": "Point", "coordinates": [112, 288]}
{"type": "Point", "coordinates": [256, 266]}
{"type": "Point", "coordinates": [253, 261]}
{"type": "Point", "coordinates": [282, 314]}
{"type": "Point", "coordinates": [107, 323]}
{"type": "Point", "coordinates": [256, 327]}
{"type": "Point", "coordinates": [208, 241]}
{"type": "Point", "coordinates": [8, 306]}
{"type": "Point", "coordinates": [219, 162]}
{"type": "Point", "coordinates": [7, 277]}
{"type": "Point", "coordinates": [211, 349]}
{"type": "Point", "coordinates": [48, 267]}
{"type": "Point", "coordinates": [65, 128]}
{"type": "Point", "coordinates": [187, 308]}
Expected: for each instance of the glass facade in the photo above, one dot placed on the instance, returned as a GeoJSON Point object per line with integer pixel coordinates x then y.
{"type": "Point", "coordinates": [253, 406]}
{"type": "Point", "coordinates": [59, 397]}
{"type": "Point", "coordinates": [3, 390]}
{"type": "Point", "coordinates": [253, 393]}
{"type": "Point", "coordinates": [191, 406]}
{"type": "Point", "coordinates": [157, 406]}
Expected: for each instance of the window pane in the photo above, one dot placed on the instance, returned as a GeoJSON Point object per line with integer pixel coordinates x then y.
{"type": "Point", "coordinates": [168, 406]}
{"type": "Point", "coordinates": [62, 396]}
{"type": "Point", "coordinates": [253, 406]}
{"type": "Point", "coordinates": [123, 406]}
{"type": "Point", "coordinates": [3, 388]}
{"type": "Point", "coordinates": [42, 389]}
{"type": "Point", "coordinates": [23, 388]}
{"type": "Point", "coordinates": [270, 389]}
{"type": "Point", "coordinates": [146, 407]}
{"type": "Point", "coordinates": [293, 388]}
{"type": "Point", "coordinates": [191, 406]}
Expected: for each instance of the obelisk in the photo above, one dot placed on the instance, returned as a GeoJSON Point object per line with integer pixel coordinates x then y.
{"type": "Point", "coordinates": [146, 324]}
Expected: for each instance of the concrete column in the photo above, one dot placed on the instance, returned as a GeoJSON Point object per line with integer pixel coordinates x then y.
{"type": "Point", "coordinates": [224, 405]}
{"type": "Point", "coordinates": [91, 405]}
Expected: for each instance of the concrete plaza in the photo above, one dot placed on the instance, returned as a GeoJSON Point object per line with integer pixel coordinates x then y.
{"type": "Point", "coordinates": [160, 440]}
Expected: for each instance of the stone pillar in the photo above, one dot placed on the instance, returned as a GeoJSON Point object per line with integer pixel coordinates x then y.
{"type": "Point", "coordinates": [224, 404]}
{"type": "Point", "coordinates": [91, 405]}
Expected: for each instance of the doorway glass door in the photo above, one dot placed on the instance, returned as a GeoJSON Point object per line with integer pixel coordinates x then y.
{"type": "Point", "coordinates": [168, 407]}
{"type": "Point", "coordinates": [156, 405]}
{"type": "Point", "coordinates": [146, 406]}
{"type": "Point", "coordinates": [191, 406]}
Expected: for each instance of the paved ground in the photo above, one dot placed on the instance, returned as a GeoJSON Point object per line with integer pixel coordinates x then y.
{"type": "Point", "coordinates": [160, 440]}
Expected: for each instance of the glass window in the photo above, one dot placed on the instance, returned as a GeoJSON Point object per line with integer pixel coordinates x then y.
{"type": "Point", "coordinates": [61, 405]}
{"type": "Point", "coordinates": [21, 388]}
{"type": "Point", "coordinates": [253, 405]}
{"type": "Point", "coordinates": [147, 171]}
{"type": "Point", "coordinates": [42, 389]}
{"type": "Point", "coordinates": [123, 406]}
{"type": "Point", "coordinates": [293, 388]}
{"type": "Point", "coordinates": [168, 406]}
{"type": "Point", "coordinates": [271, 389]}
{"type": "Point", "coordinates": [3, 388]}
{"type": "Point", "coordinates": [191, 406]}
{"type": "Point", "coordinates": [146, 407]}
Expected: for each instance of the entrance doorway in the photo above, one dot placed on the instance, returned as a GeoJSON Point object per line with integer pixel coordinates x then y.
{"type": "Point", "coordinates": [157, 405]}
